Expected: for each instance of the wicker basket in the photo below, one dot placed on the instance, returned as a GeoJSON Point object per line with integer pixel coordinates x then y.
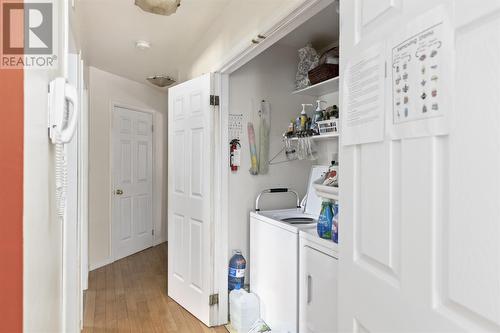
{"type": "Point", "coordinates": [323, 72]}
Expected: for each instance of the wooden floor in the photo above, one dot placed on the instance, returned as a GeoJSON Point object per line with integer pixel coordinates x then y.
{"type": "Point", "coordinates": [130, 296]}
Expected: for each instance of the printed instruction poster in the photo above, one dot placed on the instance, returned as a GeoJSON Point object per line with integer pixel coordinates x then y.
{"type": "Point", "coordinates": [422, 60]}
{"type": "Point", "coordinates": [413, 70]}
{"type": "Point", "coordinates": [363, 119]}
{"type": "Point", "coordinates": [415, 78]}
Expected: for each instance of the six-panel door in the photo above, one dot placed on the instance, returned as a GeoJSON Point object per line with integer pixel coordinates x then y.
{"type": "Point", "coordinates": [133, 183]}
{"type": "Point", "coordinates": [420, 225]}
{"type": "Point", "coordinates": [190, 160]}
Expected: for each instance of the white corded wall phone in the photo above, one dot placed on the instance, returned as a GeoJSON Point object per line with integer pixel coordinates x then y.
{"type": "Point", "coordinates": [63, 119]}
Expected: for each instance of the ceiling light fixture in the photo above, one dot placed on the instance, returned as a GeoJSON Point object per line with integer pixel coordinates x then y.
{"type": "Point", "coordinates": [142, 45]}
{"type": "Point", "coordinates": [161, 80]}
{"type": "Point", "coordinates": [160, 7]}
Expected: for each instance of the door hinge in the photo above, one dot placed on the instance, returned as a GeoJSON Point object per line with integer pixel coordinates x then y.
{"type": "Point", "coordinates": [152, 128]}
{"type": "Point", "coordinates": [153, 232]}
{"type": "Point", "coordinates": [213, 299]}
{"type": "Point", "coordinates": [214, 100]}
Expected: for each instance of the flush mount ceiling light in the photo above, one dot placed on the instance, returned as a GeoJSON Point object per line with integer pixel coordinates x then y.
{"type": "Point", "coordinates": [161, 80]}
{"type": "Point", "coordinates": [160, 7]}
{"type": "Point", "coordinates": [142, 44]}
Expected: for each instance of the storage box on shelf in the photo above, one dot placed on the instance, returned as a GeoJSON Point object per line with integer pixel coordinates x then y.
{"type": "Point", "coordinates": [329, 126]}
{"type": "Point", "coordinates": [323, 73]}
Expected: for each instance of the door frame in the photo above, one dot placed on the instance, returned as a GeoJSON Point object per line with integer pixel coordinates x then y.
{"type": "Point", "coordinates": [243, 54]}
{"type": "Point", "coordinates": [154, 195]}
{"type": "Point", "coordinates": [83, 183]}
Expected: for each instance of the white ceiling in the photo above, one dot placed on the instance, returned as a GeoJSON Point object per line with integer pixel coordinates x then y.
{"type": "Point", "coordinates": [108, 30]}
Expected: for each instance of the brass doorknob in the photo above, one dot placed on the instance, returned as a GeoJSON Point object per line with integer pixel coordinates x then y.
{"type": "Point", "coordinates": [119, 192]}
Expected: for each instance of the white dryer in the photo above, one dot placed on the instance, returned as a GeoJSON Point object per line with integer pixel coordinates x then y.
{"type": "Point", "coordinates": [274, 257]}
{"type": "Point", "coordinates": [318, 283]}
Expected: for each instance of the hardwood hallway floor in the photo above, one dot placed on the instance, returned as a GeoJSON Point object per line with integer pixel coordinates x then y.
{"type": "Point", "coordinates": [130, 295]}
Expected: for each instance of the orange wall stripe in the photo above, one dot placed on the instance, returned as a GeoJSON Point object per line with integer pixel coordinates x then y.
{"type": "Point", "coordinates": [11, 199]}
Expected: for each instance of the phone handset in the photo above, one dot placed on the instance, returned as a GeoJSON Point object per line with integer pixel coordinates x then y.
{"type": "Point", "coordinates": [63, 119]}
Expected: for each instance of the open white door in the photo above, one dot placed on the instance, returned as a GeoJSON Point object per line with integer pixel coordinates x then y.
{"type": "Point", "coordinates": [420, 231]}
{"type": "Point", "coordinates": [190, 196]}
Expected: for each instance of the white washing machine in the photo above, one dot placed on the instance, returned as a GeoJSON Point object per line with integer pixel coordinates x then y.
{"type": "Point", "coordinates": [274, 257]}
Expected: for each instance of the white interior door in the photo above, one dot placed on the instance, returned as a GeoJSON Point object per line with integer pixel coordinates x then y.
{"type": "Point", "coordinates": [132, 181]}
{"type": "Point", "coordinates": [419, 230]}
{"type": "Point", "coordinates": [190, 151]}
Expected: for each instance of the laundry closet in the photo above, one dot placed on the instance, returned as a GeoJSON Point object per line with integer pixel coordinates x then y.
{"type": "Point", "coordinates": [265, 95]}
{"type": "Point", "coordinates": [409, 255]}
{"type": "Point", "coordinates": [247, 177]}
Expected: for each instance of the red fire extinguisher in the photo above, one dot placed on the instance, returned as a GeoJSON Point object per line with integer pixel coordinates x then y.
{"type": "Point", "coordinates": [234, 153]}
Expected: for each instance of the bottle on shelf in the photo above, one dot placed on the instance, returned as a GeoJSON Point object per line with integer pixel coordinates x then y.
{"type": "Point", "coordinates": [291, 127]}
{"type": "Point", "coordinates": [318, 116]}
{"type": "Point", "coordinates": [335, 222]}
{"type": "Point", "coordinates": [303, 117]}
{"type": "Point", "coordinates": [324, 226]}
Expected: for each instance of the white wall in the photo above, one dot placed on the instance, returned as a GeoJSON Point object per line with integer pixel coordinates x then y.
{"type": "Point", "coordinates": [271, 77]}
{"type": "Point", "coordinates": [42, 230]}
{"type": "Point", "coordinates": [106, 88]}
{"type": "Point", "coordinates": [220, 44]}
{"type": "Point", "coordinates": [327, 148]}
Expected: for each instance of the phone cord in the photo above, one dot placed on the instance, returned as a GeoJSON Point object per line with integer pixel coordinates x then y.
{"type": "Point", "coordinates": [61, 179]}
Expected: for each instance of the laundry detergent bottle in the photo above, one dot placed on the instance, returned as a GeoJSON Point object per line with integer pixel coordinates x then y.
{"type": "Point", "coordinates": [325, 220]}
{"type": "Point", "coordinates": [335, 223]}
{"type": "Point", "coordinates": [237, 266]}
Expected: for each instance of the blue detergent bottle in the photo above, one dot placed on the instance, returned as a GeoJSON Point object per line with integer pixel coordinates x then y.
{"type": "Point", "coordinates": [237, 266]}
{"type": "Point", "coordinates": [335, 224]}
{"type": "Point", "coordinates": [325, 220]}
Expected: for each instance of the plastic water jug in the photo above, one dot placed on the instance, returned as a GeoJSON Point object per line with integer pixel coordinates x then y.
{"type": "Point", "coordinates": [244, 310]}
{"type": "Point", "coordinates": [237, 265]}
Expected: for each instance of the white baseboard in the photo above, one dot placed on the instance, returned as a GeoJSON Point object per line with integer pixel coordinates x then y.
{"type": "Point", "coordinates": [159, 241]}
{"type": "Point", "coordinates": [99, 264]}
{"type": "Point", "coordinates": [107, 261]}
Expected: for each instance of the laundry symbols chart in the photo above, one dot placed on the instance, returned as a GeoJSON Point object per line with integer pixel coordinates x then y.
{"type": "Point", "coordinates": [416, 74]}
{"type": "Point", "coordinates": [401, 86]}
{"type": "Point", "coordinates": [235, 126]}
{"type": "Point", "coordinates": [422, 65]}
